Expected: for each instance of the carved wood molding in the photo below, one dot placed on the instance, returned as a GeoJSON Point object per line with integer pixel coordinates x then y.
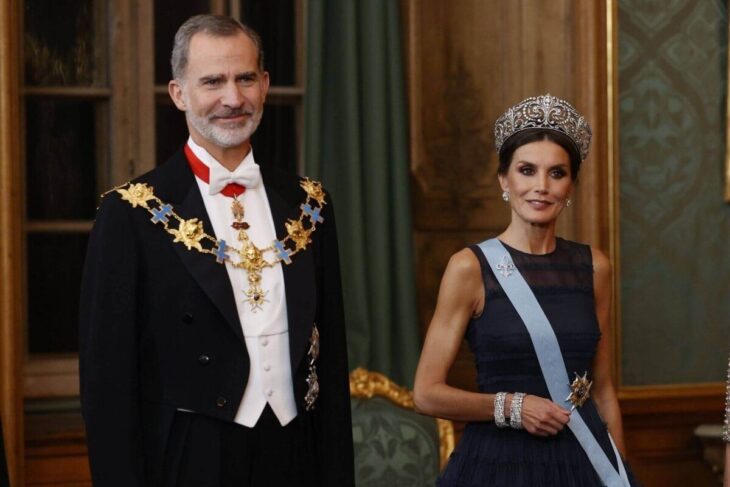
{"type": "Point", "coordinates": [11, 243]}
{"type": "Point", "coordinates": [682, 398]}
{"type": "Point", "coordinates": [51, 376]}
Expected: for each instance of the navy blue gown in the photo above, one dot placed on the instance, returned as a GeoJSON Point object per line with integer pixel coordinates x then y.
{"type": "Point", "coordinates": [505, 360]}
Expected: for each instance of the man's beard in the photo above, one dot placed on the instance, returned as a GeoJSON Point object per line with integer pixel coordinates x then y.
{"type": "Point", "coordinates": [222, 136]}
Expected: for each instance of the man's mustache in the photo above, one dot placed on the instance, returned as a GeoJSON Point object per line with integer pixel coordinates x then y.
{"type": "Point", "coordinates": [232, 112]}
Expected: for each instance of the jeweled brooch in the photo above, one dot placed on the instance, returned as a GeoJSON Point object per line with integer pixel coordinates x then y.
{"type": "Point", "coordinates": [505, 266]}
{"type": "Point", "coordinates": [580, 390]}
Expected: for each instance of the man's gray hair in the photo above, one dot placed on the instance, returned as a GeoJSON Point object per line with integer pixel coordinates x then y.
{"type": "Point", "coordinates": [212, 25]}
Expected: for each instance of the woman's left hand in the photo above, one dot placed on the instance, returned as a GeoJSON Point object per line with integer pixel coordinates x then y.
{"type": "Point", "coordinates": [542, 417]}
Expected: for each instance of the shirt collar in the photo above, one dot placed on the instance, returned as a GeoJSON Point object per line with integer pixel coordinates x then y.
{"type": "Point", "coordinates": [210, 161]}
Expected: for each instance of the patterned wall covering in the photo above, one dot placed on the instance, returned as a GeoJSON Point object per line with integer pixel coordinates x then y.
{"type": "Point", "coordinates": [675, 227]}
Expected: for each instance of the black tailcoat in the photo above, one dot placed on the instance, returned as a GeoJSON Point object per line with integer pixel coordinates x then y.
{"type": "Point", "coordinates": [150, 309]}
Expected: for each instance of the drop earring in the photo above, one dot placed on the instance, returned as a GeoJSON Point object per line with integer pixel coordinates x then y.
{"type": "Point", "coordinates": [505, 196]}
{"type": "Point", "coordinates": [568, 202]}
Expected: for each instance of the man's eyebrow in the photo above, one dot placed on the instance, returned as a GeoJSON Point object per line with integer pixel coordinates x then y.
{"type": "Point", "coordinates": [210, 77]}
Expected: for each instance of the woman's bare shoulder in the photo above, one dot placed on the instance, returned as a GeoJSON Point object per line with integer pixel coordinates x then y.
{"type": "Point", "coordinates": [464, 265]}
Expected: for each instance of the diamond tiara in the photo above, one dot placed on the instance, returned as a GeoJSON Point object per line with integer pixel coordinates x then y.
{"type": "Point", "coordinates": [544, 112]}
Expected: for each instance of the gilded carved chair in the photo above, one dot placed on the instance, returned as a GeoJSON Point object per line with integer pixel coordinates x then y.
{"type": "Point", "coordinates": [394, 445]}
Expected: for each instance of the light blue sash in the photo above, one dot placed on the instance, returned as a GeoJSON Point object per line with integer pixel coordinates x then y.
{"type": "Point", "coordinates": [550, 358]}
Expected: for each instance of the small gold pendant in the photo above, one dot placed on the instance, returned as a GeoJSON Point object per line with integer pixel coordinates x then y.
{"type": "Point", "coordinates": [256, 297]}
{"type": "Point", "coordinates": [580, 390]}
{"type": "Point", "coordinates": [252, 261]}
{"type": "Point", "coordinates": [237, 209]}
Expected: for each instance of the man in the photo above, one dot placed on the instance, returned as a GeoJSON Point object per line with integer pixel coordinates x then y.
{"type": "Point", "coordinates": [211, 356]}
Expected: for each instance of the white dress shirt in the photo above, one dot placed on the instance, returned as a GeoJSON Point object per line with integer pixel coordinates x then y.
{"type": "Point", "coordinates": [266, 330]}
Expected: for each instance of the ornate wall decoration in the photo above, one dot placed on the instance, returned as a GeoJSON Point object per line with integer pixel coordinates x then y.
{"type": "Point", "coordinates": [675, 228]}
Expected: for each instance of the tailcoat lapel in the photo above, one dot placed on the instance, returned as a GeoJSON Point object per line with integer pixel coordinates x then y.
{"type": "Point", "coordinates": [177, 186]}
{"type": "Point", "coordinates": [184, 194]}
{"type": "Point", "coordinates": [299, 276]}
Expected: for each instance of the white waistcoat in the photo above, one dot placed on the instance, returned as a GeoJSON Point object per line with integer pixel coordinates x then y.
{"type": "Point", "coordinates": [265, 330]}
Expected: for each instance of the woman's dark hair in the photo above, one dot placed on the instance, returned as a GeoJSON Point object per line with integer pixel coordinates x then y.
{"type": "Point", "coordinates": [535, 135]}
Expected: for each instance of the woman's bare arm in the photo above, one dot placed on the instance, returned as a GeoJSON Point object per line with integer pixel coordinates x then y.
{"type": "Point", "coordinates": [461, 296]}
{"type": "Point", "coordinates": [604, 392]}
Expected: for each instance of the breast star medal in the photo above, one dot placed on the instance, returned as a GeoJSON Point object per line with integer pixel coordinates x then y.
{"type": "Point", "coordinates": [580, 390]}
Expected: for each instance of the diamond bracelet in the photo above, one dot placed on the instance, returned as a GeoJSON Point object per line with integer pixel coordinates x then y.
{"type": "Point", "coordinates": [499, 419]}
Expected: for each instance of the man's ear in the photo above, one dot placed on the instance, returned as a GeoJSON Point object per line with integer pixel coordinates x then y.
{"type": "Point", "coordinates": [175, 89]}
{"type": "Point", "coordinates": [265, 80]}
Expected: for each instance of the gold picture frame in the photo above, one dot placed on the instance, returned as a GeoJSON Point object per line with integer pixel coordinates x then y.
{"type": "Point", "coordinates": [727, 133]}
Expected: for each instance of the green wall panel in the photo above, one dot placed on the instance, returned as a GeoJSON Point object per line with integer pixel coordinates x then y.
{"type": "Point", "coordinates": [675, 226]}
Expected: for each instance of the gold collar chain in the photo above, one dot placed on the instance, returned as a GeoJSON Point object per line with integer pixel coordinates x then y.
{"type": "Point", "coordinates": [250, 258]}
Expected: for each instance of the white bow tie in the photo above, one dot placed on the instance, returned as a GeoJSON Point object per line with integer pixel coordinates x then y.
{"type": "Point", "coordinates": [247, 175]}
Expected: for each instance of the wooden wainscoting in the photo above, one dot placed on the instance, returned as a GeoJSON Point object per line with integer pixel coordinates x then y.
{"type": "Point", "coordinates": [55, 450]}
{"type": "Point", "coordinates": [659, 425]}
{"type": "Point", "coordinates": [12, 248]}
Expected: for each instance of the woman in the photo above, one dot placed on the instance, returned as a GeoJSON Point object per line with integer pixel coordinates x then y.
{"type": "Point", "coordinates": [541, 143]}
{"type": "Point", "coordinates": [726, 430]}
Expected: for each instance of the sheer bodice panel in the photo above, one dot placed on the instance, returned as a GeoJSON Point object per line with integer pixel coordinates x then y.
{"type": "Point", "coordinates": [563, 284]}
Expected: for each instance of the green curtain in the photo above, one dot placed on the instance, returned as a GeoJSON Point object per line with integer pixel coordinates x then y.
{"type": "Point", "coordinates": [356, 143]}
